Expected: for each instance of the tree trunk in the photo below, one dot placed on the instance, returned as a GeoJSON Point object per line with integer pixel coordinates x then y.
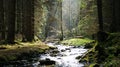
{"type": "Point", "coordinates": [100, 16]}
{"type": "Point", "coordinates": [114, 26]}
{"type": "Point", "coordinates": [28, 20]}
{"type": "Point", "coordinates": [101, 35]}
{"type": "Point", "coordinates": [18, 16]}
{"type": "Point", "coordinates": [2, 24]}
{"type": "Point", "coordinates": [61, 23]}
{"type": "Point", "coordinates": [10, 12]}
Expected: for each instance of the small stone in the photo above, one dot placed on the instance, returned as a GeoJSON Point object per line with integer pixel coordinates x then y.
{"type": "Point", "coordinates": [62, 50]}
{"type": "Point", "coordinates": [67, 48]}
{"type": "Point", "coordinates": [78, 57]}
{"type": "Point", "coordinates": [47, 62]}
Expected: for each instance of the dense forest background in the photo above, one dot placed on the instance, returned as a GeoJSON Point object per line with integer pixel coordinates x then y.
{"type": "Point", "coordinates": [26, 20]}
{"type": "Point", "coordinates": [59, 18]}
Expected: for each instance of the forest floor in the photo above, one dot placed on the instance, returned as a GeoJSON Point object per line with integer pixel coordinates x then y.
{"type": "Point", "coordinates": [105, 54]}
{"type": "Point", "coordinates": [21, 50]}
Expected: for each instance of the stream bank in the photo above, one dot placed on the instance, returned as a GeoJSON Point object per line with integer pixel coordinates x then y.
{"type": "Point", "coordinates": [20, 51]}
{"type": "Point", "coordinates": [106, 53]}
{"type": "Point", "coordinates": [57, 55]}
{"type": "Point", "coordinates": [50, 55]}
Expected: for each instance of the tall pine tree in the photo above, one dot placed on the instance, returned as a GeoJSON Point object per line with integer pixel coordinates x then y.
{"type": "Point", "coordinates": [28, 20]}
{"type": "Point", "coordinates": [10, 12]}
{"type": "Point", "coordinates": [2, 25]}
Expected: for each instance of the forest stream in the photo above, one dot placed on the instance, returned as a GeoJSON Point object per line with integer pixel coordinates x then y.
{"type": "Point", "coordinates": [64, 56]}
{"type": "Point", "coordinates": [58, 56]}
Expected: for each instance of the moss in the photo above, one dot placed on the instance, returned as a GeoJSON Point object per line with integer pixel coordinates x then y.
{"type": "Point", "coordinates": [90, 58]}
{"type": "Point", "coordinates": [77, 41]}
{"type": "Point", "coordinates": [21, 51]}
{"type": "Point", "coordinates": [107, 53]}
{"type": "Point", "coordinates": [93, 65]}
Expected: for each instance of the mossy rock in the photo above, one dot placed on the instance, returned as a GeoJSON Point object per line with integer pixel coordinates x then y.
{"type": "Point", "coordinates": [77, 41]}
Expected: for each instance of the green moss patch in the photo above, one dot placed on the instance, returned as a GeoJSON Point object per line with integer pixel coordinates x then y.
{"type": "Point", "coordinates": [21, 51]}
{"type": "Point", "coordinates": [77, 41]}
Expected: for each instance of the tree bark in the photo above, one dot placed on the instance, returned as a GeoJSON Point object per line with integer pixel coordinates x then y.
{"type": "Point", "coordinates": [100, 16]}
{"type": "Point", "coordinates": [2, 24]}
{"type": "Point", "coordinates": [61, 23]}
{"type": "Point", "coordinates": [28, 20]}
{"type": "Point", "coordinates": [18, 16]}
{"type": "Point", "coordinates": [10, 12]}
{"type": "Point", "coordinates": [114, 26]}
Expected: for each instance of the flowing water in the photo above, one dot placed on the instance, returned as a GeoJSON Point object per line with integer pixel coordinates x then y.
{"type": "Point", "coordinates": [64, 57]}
{"type": "Point", "coordinates": [61, 56]}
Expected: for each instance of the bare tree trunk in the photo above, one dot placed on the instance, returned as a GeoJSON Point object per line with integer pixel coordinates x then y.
{"type": "Point", "coordinates": [19, 16]}
{"type": "Point", "coordinates": [100, 16]}
{"type": "Point", "coordinates": [61, 23]}
{"type": "Point", "coordinates": [101, 35]}
{"type": "Point", "coordinates": [114, 26]}
{"type": "Point", "coordinates": [2, 24]}
{"type": "Point", "coordinates": [32, 21]}
{"type": "Point", "coordinates": [28, 22]}
{"type": "Point", "coordinates": [10, 12]}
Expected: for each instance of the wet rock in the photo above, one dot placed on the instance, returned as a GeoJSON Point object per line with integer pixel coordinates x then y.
{"type": "Point", "coordinates": [67, 48]}
{"type": "Point", "coordinates": [35, 59]}
{"type": "Point", "coordinates": [83, 61]}
{"type": "Point", "coordinates": [52, 48]}
{"type": "Point", "coordinates": [88, 45]}
{"type": "Point", "coordinates": [47, 61]}
{"type": "Point", "coordinates": [53, 55]}
{"type": "Point", "coordinates": [47, 51]}
{"type": "Point", "coordinates": [58, 58]}
{"type": "Point", "coordinates": [78, 57]}
{"type": "Point", "coordinates": [62, 50]}
{"type": "Point", "coordinates": [55, 51]}
{"type": "Point", "coordinates": [61, 55]}
{"type": "Point", "coordinates": [75, 46]}
{"type": "Point", "coordinates": [64, 54]}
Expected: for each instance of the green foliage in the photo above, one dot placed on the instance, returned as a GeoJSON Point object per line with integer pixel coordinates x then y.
{"type": "Point", "coordinates": [112, 63]}
{"type": "Point", "coordinates": [83, 4]}
{"type": "Point", "coordinates": [112, 49]}
{"type": "Point", "coordinates": [105, 53]}
{"type": "Point", "coordinates": [108, 50]}
{"type": "Point", "coordinates": [92, 65]}
{"type": "Point", "coordinates": [77, 41]}
{"type": "Point", "coordinates": [40, 17]}
{"type": "Point", "coordinates": [88, 18]}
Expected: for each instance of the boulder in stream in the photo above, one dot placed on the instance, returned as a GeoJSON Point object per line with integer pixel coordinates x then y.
{"type": "Point", "coordinates": [47, 61]}
{"type": "Point", "coordinates": [78, 57]}
{"type": "Point", "coordinates": [62, 50]}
